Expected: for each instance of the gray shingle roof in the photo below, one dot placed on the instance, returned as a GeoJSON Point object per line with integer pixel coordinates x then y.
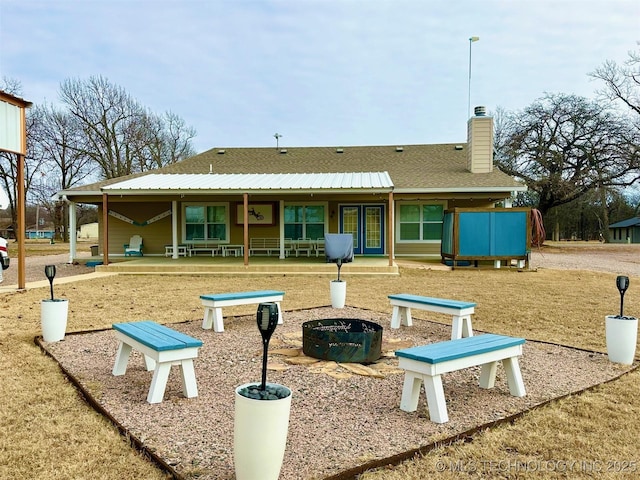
{"type": "Point", "coordinates": [438, 167]}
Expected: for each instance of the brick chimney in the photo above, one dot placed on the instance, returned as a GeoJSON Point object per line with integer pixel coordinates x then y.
{"type": "Point", "coordinates": [480, 142]}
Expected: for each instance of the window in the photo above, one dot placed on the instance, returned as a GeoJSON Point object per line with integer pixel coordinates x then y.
{"type": "Point", "coordinates": [420, 222]}
{"type": "Point", "coordinates": [304, 221]}
{"type": "Point", "coordinates": [205, 222]}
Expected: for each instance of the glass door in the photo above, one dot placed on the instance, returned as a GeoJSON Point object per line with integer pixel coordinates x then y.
{"type": "Point", "coordinates": [366, 224]}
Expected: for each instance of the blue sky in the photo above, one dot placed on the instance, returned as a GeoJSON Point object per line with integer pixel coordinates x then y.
{"type": "Point", "coordinates": [335, 73]}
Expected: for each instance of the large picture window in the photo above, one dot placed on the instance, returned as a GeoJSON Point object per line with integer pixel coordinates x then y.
{"type": "Point", "coordinates": [207, 222]}
{"type": "Point", "coordinates": [304, 221]}
{"type": "Point", "coordinates": [420, 222]}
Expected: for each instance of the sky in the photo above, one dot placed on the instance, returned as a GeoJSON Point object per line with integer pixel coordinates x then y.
{"type": "Point", "coordinates": [318, 72]}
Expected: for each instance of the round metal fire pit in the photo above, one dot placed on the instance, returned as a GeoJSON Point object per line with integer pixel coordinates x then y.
{"type": "Point", "coordinates": [345, 340]}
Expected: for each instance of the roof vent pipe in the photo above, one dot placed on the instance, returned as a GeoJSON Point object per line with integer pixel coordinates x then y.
{"type": "Point", "coordinates": [210, 168]}
{"type": "Point", "coordinates": [480, 111]}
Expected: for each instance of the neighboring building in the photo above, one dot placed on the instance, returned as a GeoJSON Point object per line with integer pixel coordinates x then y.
{"type": "Point", "coordinates": [43, 232]}
{"type": "Point", "coordinates": [626, 231]}
{"type": "Point", "coordinates": [391, 198]}
{"type": "Point", "coordinates": [88, 230]}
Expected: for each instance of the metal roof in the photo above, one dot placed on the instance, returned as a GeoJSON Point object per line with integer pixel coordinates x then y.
{"type": "Point", "coordinates": [267, 182]}
{"type": "Point", "coordinates": [630, 222]}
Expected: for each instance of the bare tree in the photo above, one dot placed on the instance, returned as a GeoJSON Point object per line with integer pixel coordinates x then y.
{"type": "Point", "coordinates": [120, 136]}
{"type": "Point", "coordinates": [622, 82]}
{"type": "Point", "coordinates": [63, 164]}
{"type": "Point", "coordinates": [564, 146]}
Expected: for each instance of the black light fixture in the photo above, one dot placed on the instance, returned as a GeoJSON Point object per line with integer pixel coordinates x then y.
{"type": "Point", "coordinates": [622, 283]}
{"type": "Point", "coordinates": [50, 272]}
{"type": "Point", "coordinates": [267, 318]}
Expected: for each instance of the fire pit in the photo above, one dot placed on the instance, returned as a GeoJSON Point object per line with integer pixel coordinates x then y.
{"type": "Point", "coordinates": [345, 340]}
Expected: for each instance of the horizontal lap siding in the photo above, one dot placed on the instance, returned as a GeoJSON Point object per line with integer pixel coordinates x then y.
{"type": "Point", "coordinates": [154, 235]}
{"type": "Point", "coordinates": [418, 249]}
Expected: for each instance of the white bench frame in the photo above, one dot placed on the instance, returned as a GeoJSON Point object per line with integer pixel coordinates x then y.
{"type": "Point", "coordinates": [265, 245]}
{"type": "Point", "coordinates": [212, 249]}
{"type": "Point", "coordinates": [160, 362]}
{"type": "Point", "coordinates": [461, 317]}
{"type": "Point", "coordinates": [417, 372]}
{"type": "Point", "coordinates": [213, 308]}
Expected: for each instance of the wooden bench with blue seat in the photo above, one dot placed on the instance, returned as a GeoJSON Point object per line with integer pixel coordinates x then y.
{"type": "Point", "coordinates": [460, 311]}
{"type": "Point", "coordinates": [214, 302]}
{"type": "Point", "coordinates": [427, 363]}
{"type": "Point", "coordinates": [162, 347]}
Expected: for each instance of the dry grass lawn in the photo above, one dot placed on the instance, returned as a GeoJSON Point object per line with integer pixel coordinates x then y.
{"type": "Point", "coordinates": [49, 432]}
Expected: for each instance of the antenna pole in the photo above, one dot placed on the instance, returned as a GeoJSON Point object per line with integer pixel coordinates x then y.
{"type": "Point", "coordinates": [277, 137]}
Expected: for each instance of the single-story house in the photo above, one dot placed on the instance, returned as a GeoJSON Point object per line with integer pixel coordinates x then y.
{"type": "Point", "coordinates": [626, 231]}
{"type": "Point", "coordinates": [88, 230]}
{"type": "Point", "coordinates": [390, 198]}
{"type": "Point", "coordinates": [35, 232]}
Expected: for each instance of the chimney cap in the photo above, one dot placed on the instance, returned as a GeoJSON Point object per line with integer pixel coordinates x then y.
{"type": "Point", "coordinates": [480, 111]}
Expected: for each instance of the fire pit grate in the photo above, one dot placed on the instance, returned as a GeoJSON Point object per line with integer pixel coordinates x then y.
{"type": "Point", "coordinates": [345, 340]}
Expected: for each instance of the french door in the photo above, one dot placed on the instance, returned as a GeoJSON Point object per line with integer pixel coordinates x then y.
{"type": "Point", "coordinates": [366, 224]}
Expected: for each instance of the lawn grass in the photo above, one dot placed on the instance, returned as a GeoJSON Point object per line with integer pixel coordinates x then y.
{"type": "Point", "coordinates": [50, 432]}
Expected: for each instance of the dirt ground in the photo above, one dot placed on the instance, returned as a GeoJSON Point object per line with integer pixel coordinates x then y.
{"type": "Point", "coordinates": [51, 433]}
{"type": "Point", "coordinates": [622, 259]}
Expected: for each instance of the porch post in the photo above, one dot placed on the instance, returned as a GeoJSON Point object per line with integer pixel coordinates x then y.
{"type": "Point", "coordinates": [390, 227]}
{"type": "Point", "coordinates": [174, 228]}
{"type": "Point", "coordinates": [72, 231]}
{"type": "Point", "coordinates": [245, 199]}
{"type": "Point", "coordinates": [281, 231]}
{"type": "Point", "coordinates": [21, 229]}
{"type": "Point", "coordinates": [105, 230]}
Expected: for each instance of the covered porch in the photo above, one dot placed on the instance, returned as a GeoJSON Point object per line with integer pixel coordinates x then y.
{"type": "Point", "coordinates": [259, 265]}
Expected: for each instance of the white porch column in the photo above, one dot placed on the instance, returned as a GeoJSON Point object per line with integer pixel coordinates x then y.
{"type": "Point", "coordinates": [174, 228]}
{"type": "Point", "coordinates": [73, 235]}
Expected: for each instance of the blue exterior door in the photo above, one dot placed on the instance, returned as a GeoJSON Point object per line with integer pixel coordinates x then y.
{"type": "Point", "coordinates": [366, 224]}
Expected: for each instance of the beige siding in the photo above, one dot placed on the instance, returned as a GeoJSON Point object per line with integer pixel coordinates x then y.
{"type": "Point", "coordinates": [154, 235]}
{"type": "Point", "coordinates": [480, 141]}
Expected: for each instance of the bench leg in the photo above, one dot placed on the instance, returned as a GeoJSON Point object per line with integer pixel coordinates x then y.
{"type": "Point", "coordinates": [122, 358]}
{"type": "Point", "coordinates": [461, 327]}
{"type": "Point", "coordinates": [218, 322]}
{"type": "Point", "coordinates": [189, 385]}
{"type": "Point", "coordinates": [410, 392]}
{"type": "Point", "coordinates": [149, 363]}
{"type": "Point", "coordinates": [401, 316]}
{"type": "Point", "coordinates": [435, 398]}
{"type": "Point", "coordinates": [514, 377]}
{"type": "Point", "coordinates": [213, 318]}
{"type": "Point", "coordinates": [488, 375]}
{"type": "Point", "coordinates": [280, 320]}
{"type": "Point", "coordinates": [159, 382]}
{"type": "Point", "coordinates": [207, 321]}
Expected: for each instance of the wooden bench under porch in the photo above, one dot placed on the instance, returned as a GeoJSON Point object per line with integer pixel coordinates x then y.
{"type": "Point", "coordinates": [427, 363]}
{"type": "Point", "coordinates": [460, 311]}
{"type": "Point", "coordinates": [162, 347]}
{"type": "Point", "coordinates": [214, 302]}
